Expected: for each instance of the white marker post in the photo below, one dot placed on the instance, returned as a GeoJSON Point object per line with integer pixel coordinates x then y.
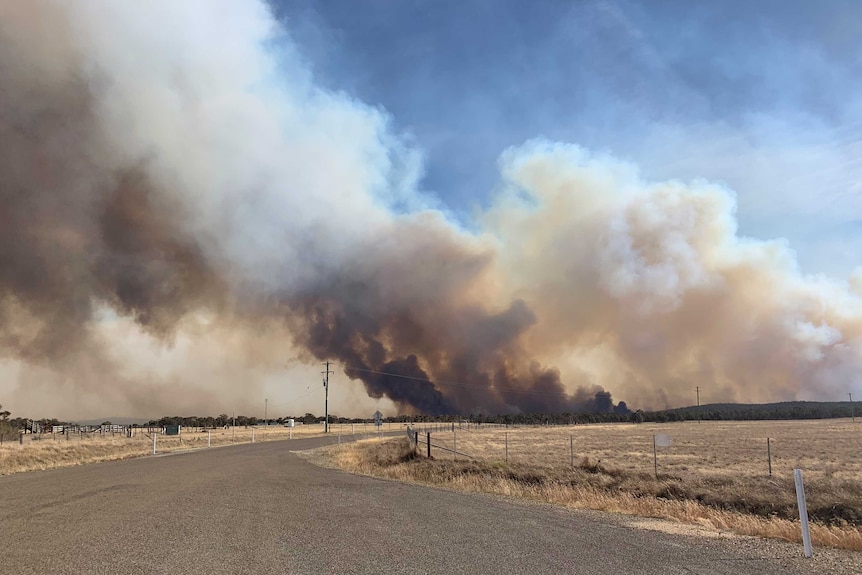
{"type": "Point", "coordinates": [155, 437]}
{"type": "Point", "coordinates": [803, 511]}
{"type": "Point", "coordinates": [252, 435]}
{"type": "Point", "coordinates": [658, 440]}
{"type": "Point", "coordinates": [209, 438]}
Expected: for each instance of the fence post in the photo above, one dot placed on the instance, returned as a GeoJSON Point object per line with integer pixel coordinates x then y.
{"type": "Point", "coordinates": [429, 444]}
{"type": "Point", "coordinates": [455, 444]}
{"type": "Point", "coordinates": [769, 455]}
{"type": "Point", "coordinates": [507, 447]}
{"type": "Point", "coordinates": [803, 511]}
{"type": "Point", "coordinates": [654, 457]}
{"type": "Point", "coordinates": [572, 450]}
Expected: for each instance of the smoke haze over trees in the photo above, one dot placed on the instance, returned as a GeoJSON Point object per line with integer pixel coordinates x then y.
{"type": "Point", "coordinates": [182, 206]}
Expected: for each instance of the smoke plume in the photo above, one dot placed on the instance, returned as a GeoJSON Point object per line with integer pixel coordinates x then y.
{"type": "Point", "coordinates": [180, 203]}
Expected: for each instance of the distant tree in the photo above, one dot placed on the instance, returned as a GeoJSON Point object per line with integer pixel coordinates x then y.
{"type": "Point", "coordinates": [8, 430]}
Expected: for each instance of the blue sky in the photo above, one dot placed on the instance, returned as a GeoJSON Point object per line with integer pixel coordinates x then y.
{"type": "Point", "coordinates": [761, 96]}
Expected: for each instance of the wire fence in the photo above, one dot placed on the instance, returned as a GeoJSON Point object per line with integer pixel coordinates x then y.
{"type": "Point", "coordinates": [829, 448]}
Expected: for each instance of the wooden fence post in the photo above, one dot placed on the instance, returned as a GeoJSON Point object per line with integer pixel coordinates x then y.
{"type": "Point", "coordinates": [769, 456]}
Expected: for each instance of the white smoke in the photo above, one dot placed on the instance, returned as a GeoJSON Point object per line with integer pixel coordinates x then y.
{"type": "Point", "coordinates": [653, 277]}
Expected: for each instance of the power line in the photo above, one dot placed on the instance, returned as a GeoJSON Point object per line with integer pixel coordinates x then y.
{"type": "Point", "coordinates": [295, 399]}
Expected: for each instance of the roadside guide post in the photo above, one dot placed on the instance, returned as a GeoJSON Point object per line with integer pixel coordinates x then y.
{"type": "Point", "coordinates": [803, 511]}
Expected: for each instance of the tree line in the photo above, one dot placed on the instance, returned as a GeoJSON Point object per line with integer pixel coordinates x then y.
{"type": "Point", "coordinates": [9, 426]}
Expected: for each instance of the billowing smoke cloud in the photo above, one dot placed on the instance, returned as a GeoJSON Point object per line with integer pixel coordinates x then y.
{"type": "Point", "coordinates": [172, 179]}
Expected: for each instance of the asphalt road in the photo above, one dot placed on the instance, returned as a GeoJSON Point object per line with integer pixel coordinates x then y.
{"type": "Point", "coordinates": [261, 509]}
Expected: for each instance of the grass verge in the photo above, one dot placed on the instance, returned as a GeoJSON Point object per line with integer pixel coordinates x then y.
{"type": "Point", "coordinates": [747, 506]}
{"type": "Point", "coordinates": [53, 452]}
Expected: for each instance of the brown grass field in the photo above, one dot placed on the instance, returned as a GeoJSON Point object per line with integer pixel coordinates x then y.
{"type": "Point", "coordinates": [714, 474]}
{"type": "Point", "coordinates": [821, 448]}
{"type": "Point", "coordinates": [48, 452]}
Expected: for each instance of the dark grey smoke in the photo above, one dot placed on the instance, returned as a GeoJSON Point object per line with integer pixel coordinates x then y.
{"type": "Point", "coordinates": [405, 311]}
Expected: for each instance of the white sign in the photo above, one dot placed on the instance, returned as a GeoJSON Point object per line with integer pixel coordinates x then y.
{"type": "Point", "coordinates": [662, 440]}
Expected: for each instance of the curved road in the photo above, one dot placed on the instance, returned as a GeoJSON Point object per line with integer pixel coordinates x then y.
{"type": "Point", "coordinates": [261, 509]}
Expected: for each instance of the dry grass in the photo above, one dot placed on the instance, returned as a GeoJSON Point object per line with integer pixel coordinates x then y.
{"type": "Point", "coordinates": [729, 491]}
{"type": "Point", "coordinates": [824, 448]}
{"type": "Point", "coordinates": [50, 452]}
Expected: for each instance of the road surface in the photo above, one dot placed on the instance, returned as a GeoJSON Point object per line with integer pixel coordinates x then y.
{"type": "Point", "coordinates": [259, 508]}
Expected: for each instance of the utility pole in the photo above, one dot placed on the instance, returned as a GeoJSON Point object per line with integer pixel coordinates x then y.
{"type": "Point", "coordinates": [697, 390]}
{"type": "Point", "coordinates": [326, 404]}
